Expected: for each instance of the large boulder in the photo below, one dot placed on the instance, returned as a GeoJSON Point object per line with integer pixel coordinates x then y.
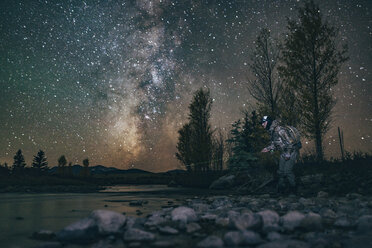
{"type": "Point", "coordinates": [184, 215]}
{"type": "Point", "coordinates": [108, 222]}
{"type": "Point", "coordinates": [224, 182]}
{"type": "Point", "coordinates": [246, 221]}
{"type": "Point", "coordinates": [210, 242]}
{"type": "Point", "coordinates": [134, 234]}
{"type": "Point", "coordinates": [291, 220]}
{"type": "Point", "coordinates": [270, 220]}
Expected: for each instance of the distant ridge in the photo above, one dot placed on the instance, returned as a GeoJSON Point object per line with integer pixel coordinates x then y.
{"type": "Point", "coordinates": [100, 169]}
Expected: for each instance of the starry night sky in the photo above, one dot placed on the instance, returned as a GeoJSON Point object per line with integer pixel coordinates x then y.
{"type": "Point", "coordinates": [112, 80]}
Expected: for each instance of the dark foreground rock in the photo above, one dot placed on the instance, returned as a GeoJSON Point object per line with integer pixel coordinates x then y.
{"type": "Point", "coordinates": [235, 221]}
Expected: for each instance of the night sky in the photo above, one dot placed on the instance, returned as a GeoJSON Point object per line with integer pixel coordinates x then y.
{"type": "Point", "coordinates": [112, 80]}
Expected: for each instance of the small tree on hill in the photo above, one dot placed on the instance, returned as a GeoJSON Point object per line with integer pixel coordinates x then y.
{"type": "Point", "coordinates": [62, 165]}
{"type": "Point", "coordinates": [19, 162]}
{"type": "Point", "coordinates": [86, 169]}
{"type": "Point", "coordinates": [40, 162]}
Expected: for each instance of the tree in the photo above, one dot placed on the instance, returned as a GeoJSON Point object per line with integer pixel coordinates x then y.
{"type": "Point", "coordinates": [86, 165]}
{"type": "Point", "coordinates": [19, 161]}
{"type": "Point", "coordinates": [62, 165]}
{"type": "Point", "coordinates": [247, 139]}
{"type": "Point", "coordinates": [311, 61]}
{"type": "Point", "coordinates": [266, 88]}
{"type": "Point", "coordinates": [218, 151]}
{"type": "Point", "coordinates": [40, 162]}
{"type": "Point", "coordinates": [195, 137]}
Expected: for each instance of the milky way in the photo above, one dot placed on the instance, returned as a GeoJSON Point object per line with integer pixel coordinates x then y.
{"type": "Point", "coordinates": [111, 80]}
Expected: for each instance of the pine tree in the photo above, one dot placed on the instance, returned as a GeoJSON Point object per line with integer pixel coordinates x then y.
{"type": "Point", "coordinates": [40, 162]}
{"type": "Point", "coordinates": [247, 139]}
{"type": "Point", "coordinates": [19, 162]}
{"type": "Point", "coordinates": [62, 165]}
{"type": "Point", "coordinates": [195, 138]}
{"type": "Point", "coordinates": [311, 62]}
{"type": "Point", "coordinates": [86, 169]}
{"type": "Point", "coordinates": [266, 88]}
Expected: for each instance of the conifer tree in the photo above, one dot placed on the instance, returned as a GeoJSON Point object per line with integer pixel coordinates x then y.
{"type": "Point", "coordinates": [19, 162]}
{"type": "Point", "coordinates": [195, 138]}
{"type": "Point", "coordinates": [311, 61]}
{"type": "Point", "coordinates": [62, 165]}
{"type": "Point", "coordinates": [40, 162]}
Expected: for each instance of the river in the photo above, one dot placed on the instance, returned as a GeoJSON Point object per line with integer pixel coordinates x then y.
{"type": "Point", "coordinates": [23, 214]}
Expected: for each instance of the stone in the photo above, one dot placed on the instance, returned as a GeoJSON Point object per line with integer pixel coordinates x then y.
{"type": "Point", "coordinates": [210, 242]}
{"type": "Point", "coordinates": [270, 220]}
{"type": "Point", "coordinates": [80, 232]}
{"type": "Point", "coordinates": [364, 223]}
{"type": "Point", "coordinates": [208, 217]}
{"type": "Point", "coordinates": [291, 220]}
{"type": "Point", "coordinates": [311, 222]}
{"type": "Point", "coordinates": [155, 220]}
{"type": "Point", "coordinates": [272, 236]}
{"type": "Point", "coordinates": [224, 222]}
{"type": "Point", "coordinates": [168, 230]}
{"type": "Point", "coordinates": [184, 214]}
{"type": "Point", "coordinates": [163, 244]}
{"type": "Point", "coordinates": [328, 215]}
{"type": "Point", "coordinates": [50, 245]}
{"type": "Point", "coordinates": [343, 222]}
{"type": "Point", "coordinates": [322, 194]}
{"type": "Point", "coordinates": [251, 238]}
{"type": "Point", "coordinates": [43, 235]}
{"type": "Point", "coordinates": [200, 207]}
{"type": "Point", "coordinates": [246, 221]}
{"type": "Point", "coordinates": [134, 234]}
{"type": "Point", "coordinates": [109, 222]}
{"type": "Point", "coordinates": [285, 244]}
{"type": "Point", "coordinates": [192, 227]}
{"type": "Point", "coordinates": [224, 182]}
{"type": "Point", "coordinates": [221, 202]}
{"type": "Point", "coordinates": [233, 238]}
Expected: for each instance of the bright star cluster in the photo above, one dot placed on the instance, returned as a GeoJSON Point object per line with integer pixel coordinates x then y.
{"type": "Point", "coordinates": [112, 80]}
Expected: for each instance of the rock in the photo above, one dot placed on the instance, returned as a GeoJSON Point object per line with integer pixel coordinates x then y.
{"type": "Point", "coordinates": [328, 215]}
{"type": "Point", "coordinates": [364, 223]}
{"type": "Point", "coordinates": [135, 245]}
{"type": "Point", "coordinates": [343, 222]}
{"type": "Point", "coordinates": [311, 222]}
{"type": "Point", "coordinates": [200, 207]}
{"type": "Point", "coordinates": [353, 196]}
{"type": "Point", "coordinates": [270, 220]}
{"type": "Point", "coordinates": [221, 202]}
{"type": "Point", "coordinates": [134, 234]}
{"type": "Point", "coordinates": [184, 214]}
{"type": "Point", "coordinates": [155, 220]}
{"type": "Point", "coordinates": [285, 244]}
{"type": "Point", "coordinates": [168, 230]}
{"type": "Point", "coordinates": [163, 244]}
{"type": "Point", "coordinates": [322, 194]}
{"type": "Point", "coordinates": [272, 236]}
{"type": "Point", "coordinates": [224, 182]}
{"type": "Point", "coordinates": [210, 242]}
{"type": "Point", "coordinates": [50, 245]}
{"type": "Point", "coordinates": [224, 222]}
{"type": "Point", "coordinates": [80, 232]}
{"type": "Point", "coordinates": [246, 221]}
{"type": "Point", "coordinates": [291, 220]}
{"type": "Point", "coordinates": [208, 217]}
{"type": "Point", "coordinates": [43, 235]}
{"type": "Point", "coordinates": [109, 222]}
{"type": "Point", "coordinates": [192, 227]}
{"type": "Point", "coordinates": [233, 238]}
{"type": "Point", "coordinates": [251, 238]}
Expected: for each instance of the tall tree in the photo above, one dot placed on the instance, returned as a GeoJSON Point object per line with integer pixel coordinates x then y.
{"type": "Point", "coordinates": [40, 162]}
{"type": "Point", "coordinates": [19, 161]}
{"type": "Point", "coordinates": [311, 62]}
{"type": "Point", "coordinates": [195, 138]}
{"type": "Point", "coordinates": [266, 88]}
{"type": "Point", "coordinates": [86, 165]}
{"type": "Point", "coordinates": [218, 151]}
{"type": "Point", "coordinates": [62, 165]}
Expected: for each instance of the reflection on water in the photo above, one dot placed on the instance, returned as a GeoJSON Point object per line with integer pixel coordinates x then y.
{"type": "Point", "coordinates": [22, 214]}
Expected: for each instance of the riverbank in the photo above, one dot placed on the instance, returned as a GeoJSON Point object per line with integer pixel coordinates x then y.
{"type": "Point", "coordinates": [229, 221]}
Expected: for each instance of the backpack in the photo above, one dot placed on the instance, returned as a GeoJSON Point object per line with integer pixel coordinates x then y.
{"type": "Point", "coordinates": [293, 137]}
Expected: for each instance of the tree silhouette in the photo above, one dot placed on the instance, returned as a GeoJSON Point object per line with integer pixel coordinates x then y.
{"type": "Point", "coordinates": [195, 137]}
{"type": "Point", "coordinates": [86, 165]}
{"type": "Point", "coordinates": [19, 162]}
{"type": "Point", "coordinates": [40, 162]}
{"type": "Point", "coordinates": [62, 165]}
{"type": "Point", "coordinates": [311, 62]}
{"type": "Point", "coordinates": [266, 88]}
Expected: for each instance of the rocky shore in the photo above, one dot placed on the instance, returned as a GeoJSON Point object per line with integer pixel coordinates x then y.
{"type": "Point", "coordinates": [264, 221]}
